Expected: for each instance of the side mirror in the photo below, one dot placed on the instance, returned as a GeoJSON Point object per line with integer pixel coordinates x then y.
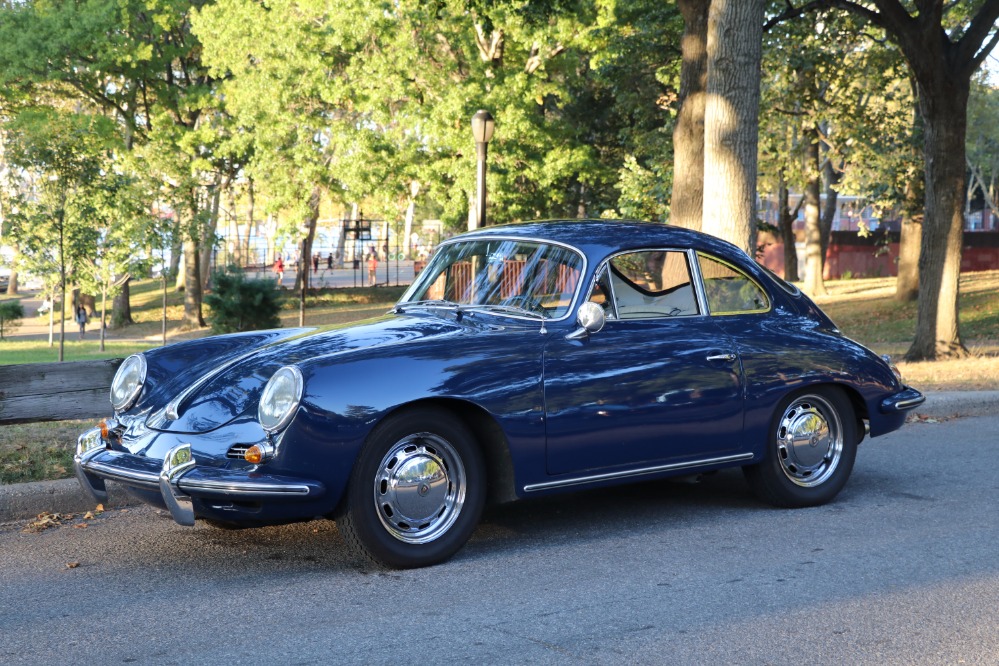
{"type": "Point", "coordinates": [590, 318]}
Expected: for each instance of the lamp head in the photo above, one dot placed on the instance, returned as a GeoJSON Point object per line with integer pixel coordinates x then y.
{"type": "Point", "coordinates": [483, 125]}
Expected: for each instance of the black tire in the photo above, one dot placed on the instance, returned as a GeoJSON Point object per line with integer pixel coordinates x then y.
{"type": "Point", "coordinates": [810, 450]}
{"type": "Point", "coordinates": [416, 492]}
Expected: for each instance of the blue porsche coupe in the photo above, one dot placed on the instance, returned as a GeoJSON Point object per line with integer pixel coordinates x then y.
{"type": "Point", "coordinates": [524, 360]}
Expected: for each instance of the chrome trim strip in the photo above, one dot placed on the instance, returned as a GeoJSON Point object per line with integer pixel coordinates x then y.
{"type": "Point", "coordinates": [611, 476]}
{"type": "Point", "coordinates": [236, 488]}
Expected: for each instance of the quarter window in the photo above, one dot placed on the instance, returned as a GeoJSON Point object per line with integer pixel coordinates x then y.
{"type": "Point", "coordinates": [728, 290]}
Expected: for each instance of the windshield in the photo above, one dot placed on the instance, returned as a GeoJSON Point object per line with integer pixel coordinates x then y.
{"type": "Point", "coordinates": [508, 276]}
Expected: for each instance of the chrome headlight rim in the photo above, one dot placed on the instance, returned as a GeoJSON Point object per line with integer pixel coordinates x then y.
{"type": "Point", "coordinates": [135, 365]}
{"type": "Point", "coordinates": [894, 369]}
{"type": "Point", "coordinates": [283, 374]}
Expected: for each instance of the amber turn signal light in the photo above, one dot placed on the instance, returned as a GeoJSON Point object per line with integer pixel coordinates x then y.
{"type": "Point", "coordinates": [254, 455]}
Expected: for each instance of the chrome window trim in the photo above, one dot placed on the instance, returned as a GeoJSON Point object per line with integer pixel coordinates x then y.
{"type": "Point", "coordinates": [520, 239]}
{"type": "Point", "coordinates": [642, 471]}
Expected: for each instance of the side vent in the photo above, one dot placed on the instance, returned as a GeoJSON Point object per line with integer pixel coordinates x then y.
{"type": "Point", "coordinates": [237, 451]}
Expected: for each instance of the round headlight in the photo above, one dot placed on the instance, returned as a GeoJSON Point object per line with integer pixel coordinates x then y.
{"type": "Point", "coordinates": [128, 382]}
{"type": "Point", "coordinates": [280, 398]}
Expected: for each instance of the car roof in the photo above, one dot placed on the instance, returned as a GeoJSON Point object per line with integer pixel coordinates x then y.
{"type": "Point", "coordinates": [601, 237]}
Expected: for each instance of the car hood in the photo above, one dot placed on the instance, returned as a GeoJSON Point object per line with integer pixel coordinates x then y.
{"type": "Point", "coordinates": [226, 385]}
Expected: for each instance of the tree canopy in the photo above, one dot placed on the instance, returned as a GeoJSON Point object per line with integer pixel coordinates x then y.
{"type": "Point", "coordinates": [290, 106]}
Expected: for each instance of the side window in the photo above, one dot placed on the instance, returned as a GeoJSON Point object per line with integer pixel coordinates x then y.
{"type": "Point", "coordinates": [729, 290]}
{"type": "Point", "coordinates": [644, 285]}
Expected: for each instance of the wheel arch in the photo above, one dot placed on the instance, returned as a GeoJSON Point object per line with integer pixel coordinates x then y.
{"type": "Point", "coordinates": [489, 436]}
{"type": "Point", "coordinates": [859, 405]}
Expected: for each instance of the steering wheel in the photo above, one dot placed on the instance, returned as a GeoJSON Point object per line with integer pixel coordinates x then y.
{"type": "Point", "coordinates": [526, 302]}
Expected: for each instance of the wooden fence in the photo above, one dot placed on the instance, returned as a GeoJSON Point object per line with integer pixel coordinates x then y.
{"type": "Point", "coordinates": [56, 391]}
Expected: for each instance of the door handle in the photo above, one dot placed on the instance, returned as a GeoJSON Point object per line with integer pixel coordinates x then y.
{"type": "Point", "coordinates": [722, 357]}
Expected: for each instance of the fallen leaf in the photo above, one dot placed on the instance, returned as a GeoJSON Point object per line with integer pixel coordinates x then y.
{"type": "Point", "coordinates": [88, 515]}
{"type": "Point", "coordinates": [72, 565]}
{"type": "Point", "coordinates": [43, 521]}
{"type": "Point", "coordinates": [79, 526]}
{"type": "Point", "coordinates": [100, 508]}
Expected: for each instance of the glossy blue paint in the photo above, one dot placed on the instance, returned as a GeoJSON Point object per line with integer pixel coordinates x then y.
{"type": "Point", "coordinates": [642, 398]}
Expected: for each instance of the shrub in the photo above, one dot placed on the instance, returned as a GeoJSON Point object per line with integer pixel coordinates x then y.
{"type": "Point", "coordinates": [10, 316]}
{"type": "Point", "coordinates": [239, 304]}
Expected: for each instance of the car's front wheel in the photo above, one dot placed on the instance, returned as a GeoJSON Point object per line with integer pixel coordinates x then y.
{"type": "Point", "coordinates": [417, 490]}
{"type": "Point", "coordinates": [811, 447]}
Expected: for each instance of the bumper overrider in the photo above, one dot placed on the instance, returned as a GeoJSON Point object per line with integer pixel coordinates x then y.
{"type": "Point", "coordinates": [902, 401]}
{"type": "Point", "coordinates": [178, 479]}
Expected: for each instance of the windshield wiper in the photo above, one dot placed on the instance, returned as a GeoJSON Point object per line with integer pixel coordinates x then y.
{"type": "Point", "coordinates": [509, 309]}
{"type": "Point", "coordinates": [432, 303]}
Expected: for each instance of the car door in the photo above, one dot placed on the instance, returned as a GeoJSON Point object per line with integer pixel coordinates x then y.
{"type": "Point", "coordinates": [660, 382]}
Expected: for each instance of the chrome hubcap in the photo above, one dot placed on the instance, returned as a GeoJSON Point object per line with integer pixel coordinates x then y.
{"type": "Point", "coordinates": [809, 441]}
{"type": "Point", "coordinates": [419, 489]}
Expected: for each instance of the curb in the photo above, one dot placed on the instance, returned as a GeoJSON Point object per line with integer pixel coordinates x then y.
{"type": "Point", "coordinates": [21, 501]}
{"type": "Point", "coordinates": [944, 404]}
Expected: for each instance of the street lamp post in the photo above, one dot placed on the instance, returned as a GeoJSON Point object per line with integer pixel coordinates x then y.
{"type": "Point", "coordinates": [482, 129]}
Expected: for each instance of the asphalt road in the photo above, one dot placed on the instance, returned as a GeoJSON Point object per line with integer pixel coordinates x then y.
{"type": "Point", "coordinates": [902, 569]}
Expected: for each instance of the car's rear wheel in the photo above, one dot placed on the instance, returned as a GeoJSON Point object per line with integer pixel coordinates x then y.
{"type": "Point", "coordinates": [811, 447]}
{"type": "Point", "coordinates": [417, 490]}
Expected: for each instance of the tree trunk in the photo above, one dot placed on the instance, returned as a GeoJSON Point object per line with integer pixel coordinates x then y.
{"type": "Point", "coordinates": [305, 262]}
{"type": "Point", "coordinates": [686, 206]}
{"type": "Point", "coordinates": [910, 237]}
{"type": "Point", "coordinates": [192, 286]}
{"type": "Point", "coordinates": [830, 178]}
{"type": "Point", "coordinates": [786, 222]}
{"type": "Point", "coordinates": [207, 244]}
{"type": "Point", "coordinates": [12, 283]}
{"type": "Point", "coordinates": [104, 311]}
{"type": "Point", "coordinates": [945, 113]}
{"type": "Point", "coordinates": [814, 282]}
{"type": "Point", "coordinates": [175, 251]}
{"type": "Point", "coordinates": [731, 120]}
{"type": "Point", "coordinates": [121, 307]}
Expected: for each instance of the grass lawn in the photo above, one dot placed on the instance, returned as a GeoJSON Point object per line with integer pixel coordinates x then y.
{"type": "Point", "coordinates": [863, 308]}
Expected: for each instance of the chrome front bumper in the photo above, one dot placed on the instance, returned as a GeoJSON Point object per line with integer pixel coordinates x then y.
{"type": "Point", "coordinates": [178, 478]}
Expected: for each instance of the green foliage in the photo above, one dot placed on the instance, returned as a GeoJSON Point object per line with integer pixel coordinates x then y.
{"type": "Point", "coordinates": [239, 304]}
{"type": "Point", "coordinates": [11, 313]}
{"type": "Point", "coordinates": [369, 99]}
{"type": "Point", "coordinates": [822, 71]}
